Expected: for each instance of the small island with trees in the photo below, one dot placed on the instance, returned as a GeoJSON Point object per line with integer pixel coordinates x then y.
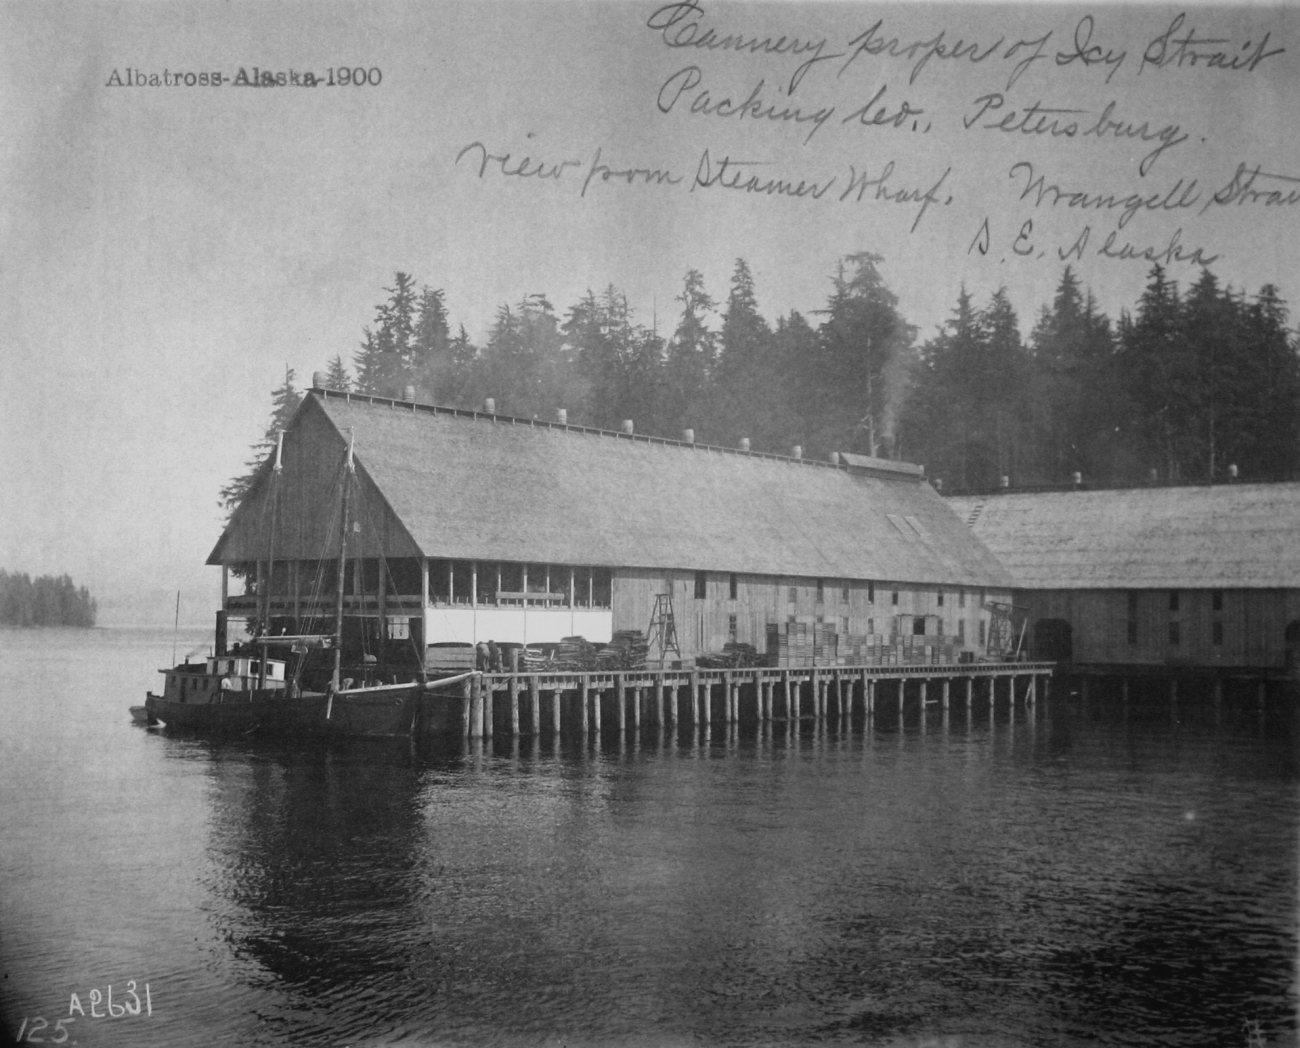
{"type": "Point", "coordinates": [44, 601]}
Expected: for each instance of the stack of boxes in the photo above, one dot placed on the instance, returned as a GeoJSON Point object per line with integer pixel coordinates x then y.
{"type": "Point", "coordinates": [801, 644]}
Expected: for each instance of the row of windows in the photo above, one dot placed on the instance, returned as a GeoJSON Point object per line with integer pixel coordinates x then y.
{"type": "Point", "coordinates": [1175, 633]}
{"type": "Point", "coordinates": [507, 583]}
{"type": "Point", "coordinates": [792, 596]}
{"type": "Point", "coordinates": [1175, 601]}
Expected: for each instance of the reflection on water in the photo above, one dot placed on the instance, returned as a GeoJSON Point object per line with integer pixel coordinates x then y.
{"type": "Point", "coordinates": [1063, 877]}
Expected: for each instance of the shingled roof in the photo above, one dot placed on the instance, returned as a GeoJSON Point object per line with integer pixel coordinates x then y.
{"type": "Point", "coordinates": [1223, 537]}
{"type": "Point", "coordinates": [467, 485]}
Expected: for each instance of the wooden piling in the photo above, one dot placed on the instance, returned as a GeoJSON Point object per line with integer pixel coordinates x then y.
{"type": "Point", "coordinates": [620, 694]}
{"type": "Point", "coordinates": [636, 708]}
{"type": "Point", "coordinates": [476, 706]}
{"type": "Point", "coordinates": [535, 705]}
{"type": "Point", "coordinates": [695, 698]}
{"type": "Point", "coordinates": [946, 682]}
{"type": "Point", "coordinates": [466, 707]}
{"type": "Point", "coordinates": [555, 710]}
{"type": "Point", "coordinates": [659, 702]}
{"type": "Point", "coordinates": [514, 705]}
{"type": "Point", "coordinates": [488, 709]}
{"type": "Point", "coordinates": [586, 722]}
{"type": "Point", "coordinates": [595, 711]}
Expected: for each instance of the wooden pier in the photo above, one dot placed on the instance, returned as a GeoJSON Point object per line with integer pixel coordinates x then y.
{"type": "Point", "coordinates": [589, 703]}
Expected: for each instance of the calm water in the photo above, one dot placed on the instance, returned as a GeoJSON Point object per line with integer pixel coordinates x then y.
{"type": "Point", "coordinates": [1068, 879]}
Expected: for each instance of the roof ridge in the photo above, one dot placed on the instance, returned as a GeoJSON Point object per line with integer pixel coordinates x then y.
{"type": "Point", "coordinates": [842, 460]}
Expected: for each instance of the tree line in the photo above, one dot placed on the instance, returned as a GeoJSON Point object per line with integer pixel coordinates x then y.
{"type": "Point", "coordinates": [1176, 390]}
{"type": "Point", "coordinates": [44, 601]}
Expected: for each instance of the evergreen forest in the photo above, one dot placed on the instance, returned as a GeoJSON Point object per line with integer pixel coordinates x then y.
{"type": "Point", "coordinates": [44, 601]}
{"type": "Point", "coordinates": [1184, 387]}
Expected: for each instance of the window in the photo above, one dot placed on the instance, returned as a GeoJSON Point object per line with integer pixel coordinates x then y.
{"type": "Point", "coordinates": [793, 595]}
{"type": "Point", "coordinates": [961, 598]}
{"type": "Point", "coordinates": [844, 593]}
{"type": "Point", "coordinates": [918, 626]}
{"type": "Point", "coordinates": [732, 585]}
{"type": "Point", "coordinates": [1216, 633]}
{"type": "Point", "coordinates": [821, 591]}
{"type": "Point", "coordinates": [731, 624]}
{"type": "Point", "coordinates": [602, 585]}
{"type": "Point", "coordinates": [981, 633]}
{"type": "Point", "coordinates": [894, 597]}
{"type": "Point", "coordinates": [1216, 600]}
{"type": "Point", "coordinates": [701, 585]}
{"type": "Point", "coordinates": [1173, 600]}
{"type": "Point", "coordinates": [1132, 605]}
{"type": "Point", "coordinates": [871, 592]}
{"type": "Point", "coordinates": [1173, 633]}
{"type": "Point", "coordinates": [961, 631]}
{"type": "Point", "coordinates": [1132, 632]}
{"type": "Point", "coordinates": [844, 625]}
{"type": "Point", "coordinates": [871, 627]}
{"type": "Point", "coordinates": [940, 598]}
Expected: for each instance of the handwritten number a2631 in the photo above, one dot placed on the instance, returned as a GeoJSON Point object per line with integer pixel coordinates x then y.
{"type": "Point", "coordinates": [981, 241]}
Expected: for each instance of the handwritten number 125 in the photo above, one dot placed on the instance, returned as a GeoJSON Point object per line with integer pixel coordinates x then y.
{"type": "Point", "coordinates": [40, 1024]}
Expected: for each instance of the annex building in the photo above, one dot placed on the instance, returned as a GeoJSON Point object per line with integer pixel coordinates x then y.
{"type": "Point", "coordinates": [1204, 577]}
{"type": "Point", "coordinates": [469, 526]}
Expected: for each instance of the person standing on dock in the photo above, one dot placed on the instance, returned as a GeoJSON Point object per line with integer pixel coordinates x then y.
{"type": "Point", "coordinates": [482, 656]}
{"type": "Point", "coordinates": [494, 653]}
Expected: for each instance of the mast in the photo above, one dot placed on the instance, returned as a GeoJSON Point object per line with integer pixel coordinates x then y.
{"type": "Point", "coordinates": [343, 563]}
{"type": "Point", "coordinates": [270, 551]}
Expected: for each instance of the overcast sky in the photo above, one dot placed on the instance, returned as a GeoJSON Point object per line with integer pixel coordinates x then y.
{"type": "Point", "coordinates": [169, 249]}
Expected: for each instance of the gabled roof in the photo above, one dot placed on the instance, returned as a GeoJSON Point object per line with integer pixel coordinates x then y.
{"type": "Point", "coordinates": [473, 486]}
{"type": "Point", "coordinates": [1223, 537]}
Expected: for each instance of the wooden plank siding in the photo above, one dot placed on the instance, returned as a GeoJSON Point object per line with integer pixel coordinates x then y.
{"type": "Point", "coordinates": [1252, 622]}
{"type": "Point", "coordinates": [704, 624]}
{"type": "Point", "coordinates": [307, 513]}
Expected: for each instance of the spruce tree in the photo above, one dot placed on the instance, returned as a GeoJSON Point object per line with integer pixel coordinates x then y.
{"type": "Point", "coordinates": [284, 402]}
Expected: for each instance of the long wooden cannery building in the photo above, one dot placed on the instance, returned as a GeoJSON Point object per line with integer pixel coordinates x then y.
{"type": "Point", "coordinates": [470, 526]}
{"type": "Point", "coordinates": [1162, 578]}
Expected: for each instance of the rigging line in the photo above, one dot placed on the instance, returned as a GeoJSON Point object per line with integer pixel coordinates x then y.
{"type": "Point", "coordinates": [388, 571]}
{"type": "Point", "coordinates": [318, 579]}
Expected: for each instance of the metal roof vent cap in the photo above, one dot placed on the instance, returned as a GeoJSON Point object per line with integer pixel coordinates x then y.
{"type": "Point", "coordinates": [318, 380]}
{"type": "Point", "coordinates": [835, 458]}
{"type": "Point", "coordinates": [562, 416]}
{"type": "Point", "coordinates": [1152, 476]}
{"type": "Point", "coordinates": [1076, 478]}
{"type": "Point", "coordinates": [938, 483]}
{"type": "Point", "coordinates": [408, 394]}
{"type": "Point", "coordinates": [490, 405]}
{"type": "Point", "coordinates": [627, 426]}
{"type": "Point", "coordinates": [744, 443]}
{"type": "Point", "coordinates": [1004, 481]}
{"type": "Point", "coordinates": [688, 436]}
{"type": "Point", "coordinates": [1232, 471]}
{"type": "Point", "coordinates": [797, 451]}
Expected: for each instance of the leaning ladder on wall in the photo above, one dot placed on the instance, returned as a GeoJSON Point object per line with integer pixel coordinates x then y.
{"type": "Point", "coordinates": [662, 630]}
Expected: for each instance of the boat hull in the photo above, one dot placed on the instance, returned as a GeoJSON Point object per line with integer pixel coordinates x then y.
{"type": "Point", "coordinates": [389, 713]}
